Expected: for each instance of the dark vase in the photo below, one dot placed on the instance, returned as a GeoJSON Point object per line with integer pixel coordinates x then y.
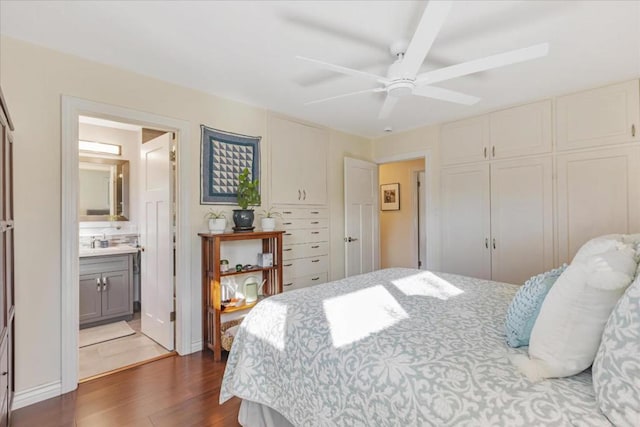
{"type": "Point", "coordinates": [243, 219]}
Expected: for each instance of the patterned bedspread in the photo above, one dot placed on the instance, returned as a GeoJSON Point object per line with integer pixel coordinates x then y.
{"type": "Point", "coordinates": [396, 347]}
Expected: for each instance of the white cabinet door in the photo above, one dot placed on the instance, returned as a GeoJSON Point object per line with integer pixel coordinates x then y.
{"type": "Point", "coordinates": [466, 225]}
{"type": "Point", "coordinates": [598, 193]}
{"type": "Point", "coordinates": [607, 115]}
{"type": "Point", "coordinates": [521, 219]}
{"type": "Point", "coordinates": [465, 141]}
{"type": "Point", "coordinates": [521, 131]}
{"type": "Point", "coordinates": [298, 163]}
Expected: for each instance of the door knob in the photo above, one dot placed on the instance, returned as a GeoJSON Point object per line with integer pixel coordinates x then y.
{"type": "Point", "coordinates": [350, 239]}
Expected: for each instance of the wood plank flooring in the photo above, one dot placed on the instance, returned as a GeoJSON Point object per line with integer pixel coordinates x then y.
{"type": "Point", "coordinates": [177, 391]}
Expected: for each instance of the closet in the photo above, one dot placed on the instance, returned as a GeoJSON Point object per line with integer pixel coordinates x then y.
{"type": "Point", "coordinates": [299, 193]}
{"type": "Point", "coordinates": [6, 265]}
{"type": "Point", "coordinates": [513, 204]}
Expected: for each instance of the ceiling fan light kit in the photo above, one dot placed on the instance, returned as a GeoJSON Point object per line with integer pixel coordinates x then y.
{"type": "Point", "coordinates": [402, 76]}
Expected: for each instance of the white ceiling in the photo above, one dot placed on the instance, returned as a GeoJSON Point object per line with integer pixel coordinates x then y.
{"type": "Point", "coordinates": [246, 50]}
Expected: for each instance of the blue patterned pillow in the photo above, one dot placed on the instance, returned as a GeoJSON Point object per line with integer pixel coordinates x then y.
{"type": "Point", "coordinates": [525, 306]}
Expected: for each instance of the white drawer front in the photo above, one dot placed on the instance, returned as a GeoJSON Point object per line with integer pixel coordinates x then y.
{"type": "Point", "coordinates": [305, 281]}
{"type": "Point", "coordinates": [303, 213]}
{"type": "Point", "coordinates": [305, 250]}
{"type": "Point", "coordinates": [298, 223]}
{"type": "Point", "coordinates": [292, 237]}
{"type": "Point", "coordinates": [304, 267]}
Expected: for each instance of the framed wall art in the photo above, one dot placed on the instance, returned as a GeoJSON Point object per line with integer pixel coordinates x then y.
{"type": "Point", "coordinates": [390, 197]}
{"type": "Point", "coordinates": [223, 155]}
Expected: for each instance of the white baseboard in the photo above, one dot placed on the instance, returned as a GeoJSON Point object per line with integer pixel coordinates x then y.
{"type": "Point", "coordinates": [36, 394]}
{"type": "Point", "coordinates": [196, 346]}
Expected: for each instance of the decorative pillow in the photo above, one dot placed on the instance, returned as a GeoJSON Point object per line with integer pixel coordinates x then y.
{"type": "Point", "coordinates": [567, 333]}
{"type": "Point", "coordinates": [616, 370]}
{"type": "Point", "coordinates": [525, 306]}
{"type": "Point", "coordinates": [598, 245]}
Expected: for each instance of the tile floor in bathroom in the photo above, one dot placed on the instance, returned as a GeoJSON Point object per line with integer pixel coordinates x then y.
{"type": "Point", "coordinates": [109, 355]}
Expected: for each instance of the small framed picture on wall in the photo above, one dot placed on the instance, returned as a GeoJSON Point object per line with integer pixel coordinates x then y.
{"type": "Point", "coordinates": [390, 197]}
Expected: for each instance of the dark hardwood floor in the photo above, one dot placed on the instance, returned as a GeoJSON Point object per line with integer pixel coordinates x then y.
{"type": "Point", "coordinates": [177, 391]}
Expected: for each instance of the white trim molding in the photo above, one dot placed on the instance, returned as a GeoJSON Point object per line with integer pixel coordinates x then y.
{"type": "Point", "coordinates": [36, 394]}
{"type": "Point", "coordinates": [72, 108]}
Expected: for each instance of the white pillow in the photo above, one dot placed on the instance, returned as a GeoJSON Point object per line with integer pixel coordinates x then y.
{"type": "Point", "coordinates": [598, 246]}
{"type": "Point", "coordinates": [567, 333]}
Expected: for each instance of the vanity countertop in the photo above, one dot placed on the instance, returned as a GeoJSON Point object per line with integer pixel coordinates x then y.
{"type": "Point", "coordinates": [112, 250]}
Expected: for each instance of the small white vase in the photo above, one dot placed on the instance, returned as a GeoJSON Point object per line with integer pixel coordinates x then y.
{"type": "Point", "coordinates": [217, 225]}
{"type": "Point", "coordinates": [268, 224]}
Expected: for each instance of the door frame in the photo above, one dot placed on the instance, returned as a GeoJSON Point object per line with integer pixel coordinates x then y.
{"type": "Point", "coordinates": [72, 108]}
{"type": "Point", "coordinates": [416, 198]}
{"type": "Point", "coordinates": [430, 197]}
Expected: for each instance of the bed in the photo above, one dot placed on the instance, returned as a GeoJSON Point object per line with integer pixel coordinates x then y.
{"type": "Point", "coordinates": [396, 347]}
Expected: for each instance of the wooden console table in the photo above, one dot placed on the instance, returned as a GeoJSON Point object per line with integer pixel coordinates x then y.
{"type": "Point", "coordinates": [211, 275]}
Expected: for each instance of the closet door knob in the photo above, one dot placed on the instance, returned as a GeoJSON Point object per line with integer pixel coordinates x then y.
{"type": "Point", "coordinates": [305, 194]}
{"type": "Point", "coordinates": [485, 152]}
{"type": "Point", "coordinates": [633, 130]}
{"type": "Point", "coordinates": [494, 243]}
{"type": "Point", "coordinates": [486, 242]}
{"type": "Point", "coordinates": [493, 151]}
{"type": "Point", "coordinates": [99, 287]}
{"type": "Point", "coordinates": [299, 195]}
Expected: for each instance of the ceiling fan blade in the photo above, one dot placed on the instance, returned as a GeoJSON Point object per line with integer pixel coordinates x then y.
{"type": "Point", "coordinates": [483, 64]}
{"type": "Point", "coordinates": [377, 89]}
{"type": "Point", "coordinates": [432, 19]}
{"type": "Point", "coordinates": [445, 95]}
{"type": "Point", "coordinates": [345, 70]}
{"type": "Point", "coordinates": [387, 107]}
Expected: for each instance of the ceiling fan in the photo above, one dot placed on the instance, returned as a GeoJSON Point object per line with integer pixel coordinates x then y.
{"type": "Point", "coordinates": [402, 77]}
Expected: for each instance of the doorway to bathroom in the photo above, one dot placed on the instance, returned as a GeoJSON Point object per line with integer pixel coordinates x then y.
{"type": "Point", "coordinates": [126, 189]}
{"type": "Point", "coordinates": [145, 230]}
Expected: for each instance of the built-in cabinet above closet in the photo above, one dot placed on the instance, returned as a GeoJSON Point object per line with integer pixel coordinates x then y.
{"type": "Point", "coordinates": [597, 117]}
{"type": "Point", "coordinates": [298, 163]}
{"type": "Point", "coordinates": [518, 131]}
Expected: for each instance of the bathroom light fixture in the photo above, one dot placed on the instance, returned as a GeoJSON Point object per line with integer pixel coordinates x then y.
{"type": "Point", "coordinates": [100, 147]}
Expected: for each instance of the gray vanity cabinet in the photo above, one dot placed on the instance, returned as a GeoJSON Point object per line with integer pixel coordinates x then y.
{"type": "Point", "coordinates": [106, 289]}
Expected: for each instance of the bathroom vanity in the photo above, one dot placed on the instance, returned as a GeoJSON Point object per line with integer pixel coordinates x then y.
{"type": "Point", "coordinates": [106, 285]}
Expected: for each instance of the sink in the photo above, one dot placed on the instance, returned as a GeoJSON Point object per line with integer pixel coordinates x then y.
{"type": "Point", "coordinates": [111, 250]}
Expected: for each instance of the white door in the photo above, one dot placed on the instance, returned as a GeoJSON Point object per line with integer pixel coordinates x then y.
{"type": "Point", "coordinates": [465, 141]}
{"type": "Point", "coordinates": [362, 253]}
{"type": "Point", "coordinates": [598, 193]}
{"type": "Point", "coordinates": [466, 224]}
{"type": "Point", "coordinates": [156, 235]}
{"type": "Point", "coordinates": [521, 219]}
{"type": "Point", "coordinates": [422, 223]}
{"type": "Point", "coordinates": [521, 131]}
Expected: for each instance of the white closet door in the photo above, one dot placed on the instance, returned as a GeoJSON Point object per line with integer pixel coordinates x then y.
{"type": "Point", "coordinates": [521, 131]}
{"type": "Point", "coordinates": [465, 221]}
{"type": "Point", "coordinates": [598, 193]}
{"type": "Point", "coordinates": [521, 219]}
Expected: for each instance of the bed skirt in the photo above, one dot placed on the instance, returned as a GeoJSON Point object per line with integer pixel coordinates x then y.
{"type": "Point", "coordinates": [254, 414]}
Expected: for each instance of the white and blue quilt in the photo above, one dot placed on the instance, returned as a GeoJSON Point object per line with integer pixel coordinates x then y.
{"type": "Point", "coordinates": [396, 347]}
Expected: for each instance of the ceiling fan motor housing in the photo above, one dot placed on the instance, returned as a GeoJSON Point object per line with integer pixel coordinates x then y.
{"type": "Point", "coordinates": [401, 87]}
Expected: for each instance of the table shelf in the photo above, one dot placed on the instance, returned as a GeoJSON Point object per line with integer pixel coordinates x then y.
{"type": "Point", "coordinates": [211, 275]}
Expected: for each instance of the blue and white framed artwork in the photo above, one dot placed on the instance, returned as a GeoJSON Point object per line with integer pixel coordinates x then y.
{"type": "Point", "coordinates": [223, 155]}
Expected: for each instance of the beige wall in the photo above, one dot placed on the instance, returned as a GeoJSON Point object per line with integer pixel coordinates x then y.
{"type": "Point", "coordinates": [33, 80]}
{"type": "Point", "coordinates": [409, 145]}
{"type": "Point", "coordinates": [398, 229]}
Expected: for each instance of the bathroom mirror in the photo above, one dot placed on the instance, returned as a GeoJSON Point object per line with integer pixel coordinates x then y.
{"type": "Point", "coordinates": [104, 189]}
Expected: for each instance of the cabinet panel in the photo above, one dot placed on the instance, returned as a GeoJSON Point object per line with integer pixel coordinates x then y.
{"type": "Point", "coordinates": [465, 203]}
{"type": "Point", "coordinates": [116, 299]}
{"type": "Point", "coordinates": [598, 193]}
{"type": "Point", "coordinates": [465, 141]}
{"type": "Point", "coordinates": [90, 297]}
{"type": "Point", "coordinates": [308, 213]}
{"type": "Point", "coordinates": [521, 219]}
{"type": "Point", "coordinates": [292, 237]}
{"type": "Point", "coordinates": [305, 281]}
{"type": "Point", "coordinates": [599, 116]}
{"type": "Point", "coordinates": [298, 223]}
{"type": "Point", "coordinates": [304, 267]}
{"type": "Point", "coordinates": [298, 163]}
{"type": "Point", "coordinates": [304, 250]}
{"type": "Point", "coordinates": [521, 131]}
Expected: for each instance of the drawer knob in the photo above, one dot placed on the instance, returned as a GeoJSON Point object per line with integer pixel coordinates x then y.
{"type": "Point", "coordinates": [286, 250]}
{"type": "Point", "coordinates": [287, 265]}
{"type": "Point", "coordinates": [315, 246]}
{"type": "Point", "coordinates": [315, 232]}
{"type": "Point", "coordinates": [288, 284]}
{"type": "Point", "coordinates": [315, 278]}
{"type": "Point", "coordinates": [315, 260]}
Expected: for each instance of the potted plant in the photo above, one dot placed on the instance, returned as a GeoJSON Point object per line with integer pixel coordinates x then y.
{"type": "Point", "coordinates": [217, 221]}
{"type": "Point", "coordinates": [248, 194]}
{"type": "Point", "coordinates": [268, 221]}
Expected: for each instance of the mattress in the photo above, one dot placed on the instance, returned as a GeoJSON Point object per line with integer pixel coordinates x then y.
{"type": "Point", "coordinates": [396, 347]}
